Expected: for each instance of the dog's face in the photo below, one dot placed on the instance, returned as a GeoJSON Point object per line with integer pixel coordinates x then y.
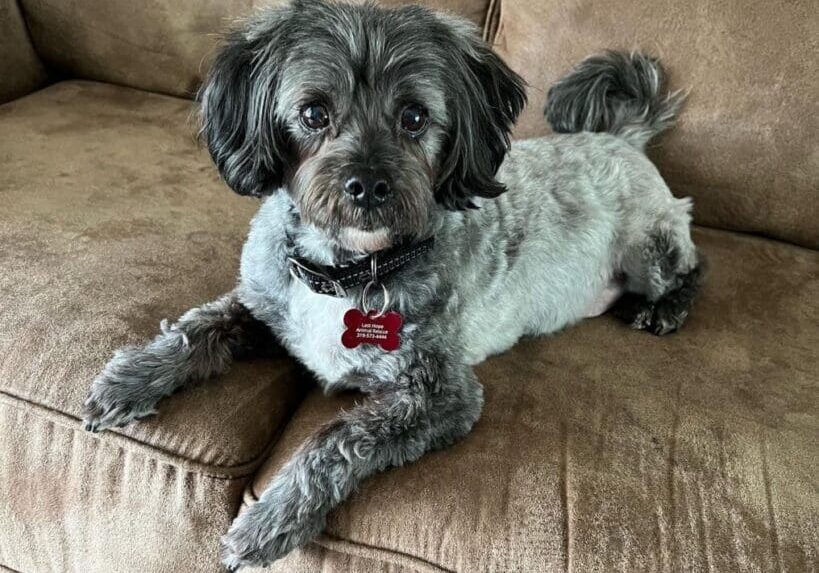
{"type": "Point", "coordinates": [370, 118]}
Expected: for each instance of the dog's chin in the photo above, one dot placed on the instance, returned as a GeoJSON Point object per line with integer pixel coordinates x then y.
{"type": "Point", "coordinates": [362, 241]}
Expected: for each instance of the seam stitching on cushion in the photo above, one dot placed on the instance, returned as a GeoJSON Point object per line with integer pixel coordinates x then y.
{"type": "Point", "coordinates": [679, 189]}
{"type": "Point", "coordinates": [24, 16]}
{"type": "Point", "coordinates": [490, 22]}
{"type": "Point", "coordinates": [7, 568]}
{"type": "Point", "coordinates": [755, 235]}
{"type": "Point", "coordinates": [127, 87]}
{"type": "Point", "coordinates": [71, 423]}
{"type": "Point", "coordinates": [341, 545]}
{"type": "Point", "coordinates": [74, 81]}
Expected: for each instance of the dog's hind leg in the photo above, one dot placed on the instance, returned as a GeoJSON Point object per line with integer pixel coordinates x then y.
{"type": "Point", "coordinates": [663, 272]}
{"type": "Point", "coordinates": [201, 344]}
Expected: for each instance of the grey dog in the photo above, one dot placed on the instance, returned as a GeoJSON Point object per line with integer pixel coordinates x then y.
{"type": "Point", "coordinates": [367, 130]}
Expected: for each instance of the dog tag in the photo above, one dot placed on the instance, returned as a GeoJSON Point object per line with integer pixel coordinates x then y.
{"type": "Point", "coordinates": [372, 328]}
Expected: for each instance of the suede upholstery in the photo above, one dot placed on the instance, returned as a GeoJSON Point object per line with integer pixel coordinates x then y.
{"type": "Point", "coordinates": [746, 145]}
{"type": "Point", "coordinates": [100, 242]}
{"type": "Point", "coordinates": [120, 253]}
{"type": "Point", "coordinates": [609, 449]}
{"type": "Point", "coordinates": [20, 68]}
{"type": "Point", "coordinates": [600, 449]}
{"type": "Point", "coordinates": [162, 46]}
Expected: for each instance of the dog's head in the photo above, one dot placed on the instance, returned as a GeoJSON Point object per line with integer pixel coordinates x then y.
{"type": "Point", "coordinates": [370, 118]}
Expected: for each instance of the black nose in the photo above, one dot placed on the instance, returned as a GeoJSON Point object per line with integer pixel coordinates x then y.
{"type": "Point", "coordinates": [367, 189]}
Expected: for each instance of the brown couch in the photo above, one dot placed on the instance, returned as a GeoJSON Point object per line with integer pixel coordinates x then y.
{"type": "Point", "coordinates": [600, 449]}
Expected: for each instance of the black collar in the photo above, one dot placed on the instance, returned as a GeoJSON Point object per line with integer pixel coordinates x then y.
{"type": "Point", "coordinates": [336, 281]}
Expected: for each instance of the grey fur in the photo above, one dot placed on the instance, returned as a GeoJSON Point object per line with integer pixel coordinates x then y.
{"type": "Point", "coordinates": [615, 93]}
{"type": "Point", "coordinates": [201, 344]}
{"type": "Point", "coordinates": [583, 210]}
{"type": "Point", "coordinates": [432, 404]}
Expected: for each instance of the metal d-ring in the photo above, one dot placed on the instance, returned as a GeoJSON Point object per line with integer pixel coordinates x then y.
{"type": "Point", "coordinates": [366, 292]}
{"type": "Point", "coordinates": [374, 268]}
{"type": "Point", "coordinates": [374, 281]}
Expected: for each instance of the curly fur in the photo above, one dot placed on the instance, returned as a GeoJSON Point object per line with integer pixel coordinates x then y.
{"type": "Point", "coordinates": [614, 93]}
{"type": "Point", "coordinates": [583, 211]}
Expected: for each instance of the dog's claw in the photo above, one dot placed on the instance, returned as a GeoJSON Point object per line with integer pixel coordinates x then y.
{"type": "Point", "coordinates": [121, 394]}
{"type": "Point", "coordinates": [232, 561]}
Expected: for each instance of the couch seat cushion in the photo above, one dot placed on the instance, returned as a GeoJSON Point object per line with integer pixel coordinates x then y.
{"type": "Point", "coordinates": [112, 219]}
{"type": "Point", "coordinates": [605, 449]}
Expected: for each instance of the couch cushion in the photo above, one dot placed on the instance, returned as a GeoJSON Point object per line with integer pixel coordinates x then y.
{"type": "Point", "coordinates": [317, 559]}
{"type": "Point", "coordinates": [73, 503]}
{"type": "Point", "coordinates": [605, 449]}
{"type": "Point", "coordinates": [746, 145]}
{"type": "Point", "coordinates": [20, 68]}
{"type": "Point", "coordinates": [159, 46]}
{"type": "Point", "coordinates": [113, 219]}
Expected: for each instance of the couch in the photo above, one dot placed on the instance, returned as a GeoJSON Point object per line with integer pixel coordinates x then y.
{"type": "Point", "coordinates": [600, 449]}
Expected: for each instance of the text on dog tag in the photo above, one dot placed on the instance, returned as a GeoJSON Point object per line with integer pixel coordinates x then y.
{"type": "Point", "coordinates": [372, 328]}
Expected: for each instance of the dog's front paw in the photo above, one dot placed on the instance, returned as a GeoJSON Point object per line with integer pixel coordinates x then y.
{"type": "Point", "coordinates": [126, 390]}
{"type": "Point", "coordinates": [267, 532]}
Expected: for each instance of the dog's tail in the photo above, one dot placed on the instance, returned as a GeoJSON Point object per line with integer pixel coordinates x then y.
{"type": "Point", "coordinates": [617, 93]}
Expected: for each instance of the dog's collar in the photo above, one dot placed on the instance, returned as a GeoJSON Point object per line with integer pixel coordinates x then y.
{"type": "Point", "coordinates": [337, 280]}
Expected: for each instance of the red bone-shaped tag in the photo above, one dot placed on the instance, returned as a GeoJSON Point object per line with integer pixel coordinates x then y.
{"type": "Point", "coordinates": [372, 329]}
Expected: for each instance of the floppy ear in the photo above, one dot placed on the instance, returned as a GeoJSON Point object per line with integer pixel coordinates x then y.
{"type": "Point", "coordinates": [247, 143]}
{"type": "Point", "coordinates": [483, 106]}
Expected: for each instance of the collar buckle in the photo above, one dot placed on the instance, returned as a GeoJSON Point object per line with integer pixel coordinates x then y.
{"type": "Point", "coordinates": [304, 274]}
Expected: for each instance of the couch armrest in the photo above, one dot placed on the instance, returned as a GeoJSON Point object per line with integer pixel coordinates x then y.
{"type": "Point", "coordinates": [21, 70]}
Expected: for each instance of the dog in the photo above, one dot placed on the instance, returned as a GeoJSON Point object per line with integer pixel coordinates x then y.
{"type": "Point", "coordinates": [402, 239]}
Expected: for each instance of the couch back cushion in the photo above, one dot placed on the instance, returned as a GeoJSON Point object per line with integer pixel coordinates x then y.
{"type": "Point", "coordinates": [156, 45]}
{"type": "Point", "coordinates": [20, 69]}
{"type": "Point", "coordinates": [747, 144]}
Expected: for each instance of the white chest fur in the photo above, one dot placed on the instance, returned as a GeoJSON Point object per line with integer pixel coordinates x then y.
{"type": "Point", "coordinates": [316, 323]}
{"type": "Point", "coordinates": [315, 326]}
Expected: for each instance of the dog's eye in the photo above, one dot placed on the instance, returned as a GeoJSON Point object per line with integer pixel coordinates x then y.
{"type": "Point", "coordinates": [314, 116]}
{"type": "Point", "coordinates": [414, 119]}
